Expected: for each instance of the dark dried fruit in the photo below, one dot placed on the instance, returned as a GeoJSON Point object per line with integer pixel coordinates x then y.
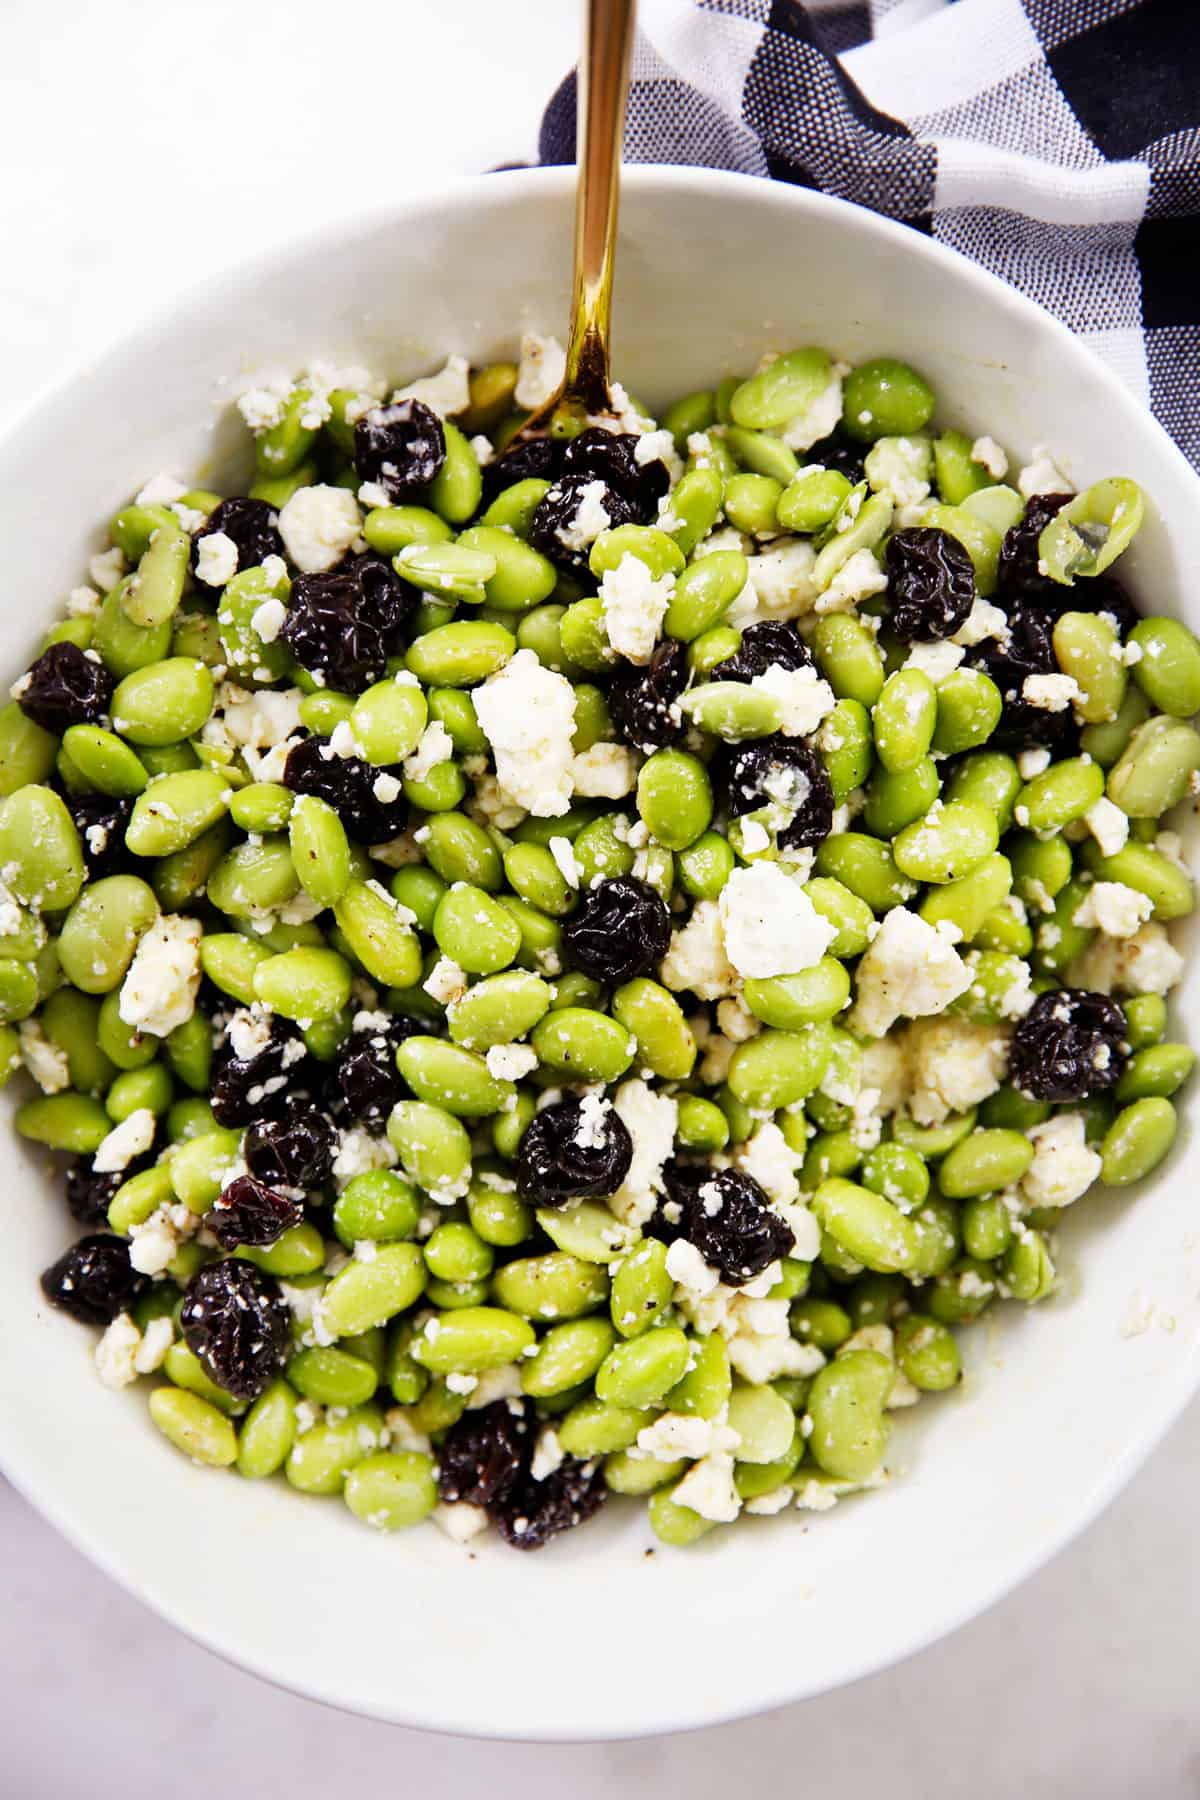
{"type": "Point", "coordinates": [840, 453]}
{"type": "Point", "coordinates": [1071, 1043]}
{"type": "Point", "coordinates": [931, 584]}
{"type": "Point", "coordinates": [622, 929]}
{"type": "Point", "coordinates": [559, 533]}
{"type": "Point", "coordinates": [252, 525]}
{"type": "Point", "coordinates": [250, 1212]}
{"type": "Point", "coordinates": [65, 687]}
{"type": "Point", "coordinates": [612, 457]}
{"type": "Point", "coordinates": [770, 644]}
{"type": "Point", "coordinates": [568, 1151]}
{"type": "Point", "coordinates": [345, 624]}
{"type": "Point", "coordinates": [732, 1225]}
{"type": "Point", "coordinates": [94, 1281]}
{"type": "Point", "coordinates": [100, 821]}
{"type": "Point", "coordinates": [786, 773]}
{"type": "Point", "coordinates": [257, 1083]}
{"type": "Point", "coordinates": [535, 459]}
{"type": "Point", "coordinates": [642, 701]}
{"type": "Point", "coordinates": [235, 1320]}
{"type": "Point", "coordinates": [1019, 555]}
{"type": "Point", "coordinates": [680, 1181]}
{"type": "Point", "coordinates": [1104, 594]}
{"type": "Point", "coordinates": [401, 446]}
{"type": "Point", "coordinates": [485, 1454]}
{"type": "Point", "coordinates": [533, 1512]}
{"type": "Point", "coordinates": [88, 1194]}
{"type": "Point", "coordinates": [364, 1082]}
{"type": "Point", "coordinates": [1027, 650]}
{"type": "Point", "coordinates": [348, 784]}
{"type": "Point", "coordinates": [295, 1151]}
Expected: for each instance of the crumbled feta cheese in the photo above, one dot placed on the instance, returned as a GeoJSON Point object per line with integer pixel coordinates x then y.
{"type": "Point", "coordinates": [588, 520]}
{"type": "Point", "coordinates": [318, 525]}
{"type": "Point", "coordinates": [46, 1062]}
{"type": "Point", "coordinates": [503, 1383]}
{"type": "Point", "coordinates": [548, 1454]}
{"type": "Point", "coordinates": [509, 1062]}
{"type": "Point", "coordinates": [116, 1352]}
{"type": "Point", "coordinates": [358, 1153]}
{"type": "Point", "coordinates": [446, 981]}
{"type": "Point", "coordinates": [83, 602]}
{"type": "Point", "coordinates": [633, 604]}
{"type": "Point", "coordinates": [160, 988]}
{"type": "Point", "coordinates": [769, 1159]}
{"type": "Point", "coordinates": [1042, 475]}
{"type": "Point", "coordinates": [125, 1142]}
{"type": "Point", "coordinates": [859, 577]}
{"type": "Point", "coordinates": [884, 1068]}
{"type": "Point", "coordinates": [460, 1520]}
{"type": "Point", "coordinates": [1108, 825]}
{"type": "Point", "coordinates": [484, 452]}
{"type": "Point", "coordinates": [157, 1339]}
{"type": "Point", "coordinates": [446, 393]}
{"type": "Point", "coordinates": [983, 621]}
{"type": "Point", "coordinates": [688, 1269]}
{"type": "Point", "coordinates": [386, 788]}
{"type": "Point", "coordinates": [1063, 1166]}
{"type": "Point", "coordinates": [696, 960]}
{"type": "Point", "coordinates": [899, 467]}
{"type": "Point", "coordinates": [708, 1489]}
{"type": "Point", "coordinates": [650, 1118]}
{"type": "Point", "coordinates": [1113, 908]}
{"type": "Point", "coordinates": [106, 568]}
{"type": "Point", "coordinates": [771, 926]}
{"type": "Point", "coordinates": [1146, 963]}
{"type": "Point", "coordinates": [564, 859]}
{"type": "Point", "coordinates": [820, 416]}
{"type": "Point", "coordinates": [541, 370]}
{"type": "Point", "coordinates": [952, 1065]}
{"type": "Point", "coordinates": [779, 584]}
{"type": "Point", "coordinates": [804, 698]}
{"type": "Point", "coordinates": [161, 490]}
{"type": "Point", "coordinates": [935, 660]}
{"type": "Point", "coordinates": [1053, 693]}
{"type": "Point", "coordinates": [216, 559]}
{"type": "Point", "coordinates": [604, 772]}
{"type": "Point", "coordinates": [765, 1506]}
{"type": "Point", "coordinates": [268, 619]}
{"type": "Point", "coordinates": [436, 746]}
{"type": "Point", "coordinates": [153, 1245]}
{"type": "Point", "coordinates": [908, 971]}
{"type": "Point", "coordinates": [990, 456]}
{"type": "Point", "coordinates": [683, 1434]}
{"type": "Point", "coordinates": [1033, 762]}
{"type": "Point", "coordinates": [659, 446]}
{"type": "Point", "coordinates": [527, 713]}
{"type": "Point", "coordinates": [737, 1021]}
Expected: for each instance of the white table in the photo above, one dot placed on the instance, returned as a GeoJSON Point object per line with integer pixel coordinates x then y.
{"type": "Point", "coordinates": [144, 143]}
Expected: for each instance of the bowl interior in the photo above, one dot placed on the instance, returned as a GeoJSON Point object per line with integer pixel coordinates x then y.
{"type": "Point", "coordinates": [602, 1635]}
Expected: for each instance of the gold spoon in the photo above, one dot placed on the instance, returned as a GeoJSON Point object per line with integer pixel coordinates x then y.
{"type": "Point", "coordinates": [603, 87]}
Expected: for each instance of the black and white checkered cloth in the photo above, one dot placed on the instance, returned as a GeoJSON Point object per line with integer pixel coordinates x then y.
{"type": "Point", "coordinates": [1057, 142]}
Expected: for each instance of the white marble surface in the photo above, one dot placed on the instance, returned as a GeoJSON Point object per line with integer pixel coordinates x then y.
{"type": "Point", "coordinates": [144, 144]}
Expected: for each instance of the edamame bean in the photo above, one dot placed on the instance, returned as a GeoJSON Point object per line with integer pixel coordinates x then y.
{"type": "Point", "coordinates": [378, 935]}
{"type": "Point", "coordinates": [152, 596]}
{"type": "Point", "coordinates": [1063, 793]}
{"type": "Point", "coordinates": [845, 1404]}
{"type": "Point", "coordinates": [777, 1068]}
{"type": "Point", "coordinates": [704, 592]}
{"type": "Point", "coordinates": [372, 1292]}
{"type": "Point", "coordinates": [926, 1354]}
{"type": "Point", "coordinates": [948, 843]}
{"type": "Point", "coordinates": [471, 1340]}
{"type": "Point", "coordinates": [583, 1045]}
{"type": "Point", "coordinates": [458, 849]}
{"type": "Point", "coordinates": [990, 779]}
{"type": "Point", "coordinates": [1091, 531]}
{"type": "Point", "coordinates": [665, 1043]}
{"type": "Point", "coordinates": [1137, 1141]}
{"type": "Point", "coordinates": [895, 800]}
{"type": "Point", "coordinates": [868, 1227]}
{"type": "Point", "coordinates": [1153, 771]}
{"type": "Point", "coordinates": [461, 653]}
{"type": "Point", "coordinates": [984, 1163]}
{"type": "Point", "coordinates": [320, 849]}
{"type": "Point", "coordinates": [903, 719]}
{"type": "Point", "coordinates": [102, 930]}
{"type": "Point", "coordinates": [40, 849]}
{"type": "Point", "coordinates": [26, 751]}
{"type": "Point", "coordinates": [864, 866]}
{"type": "Point", "coordinates": [969, 705]}
{"type": "Point", "coordinates": [67, 1121]}
{"type": "Point", "coordinates": [392, 1489]}
{"type": "Point", "coordinates": [304, 984]}
{"type": "Point", "coordinates": [641, 1370]}
{"type": "Point", "coordinates": [674, 798]}
{"type": "Point", "coordinates": [194, 1426]}
{"type": "Point", "coordinates": [885, 398]}
{"type": "Point", "coordinates": [104, 761]}
{"type": "Point", "coordinates": [267, 1433]}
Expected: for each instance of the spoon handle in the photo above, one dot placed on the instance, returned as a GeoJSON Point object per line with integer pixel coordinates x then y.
{"type": "Point", "coordinates": [603, 86]}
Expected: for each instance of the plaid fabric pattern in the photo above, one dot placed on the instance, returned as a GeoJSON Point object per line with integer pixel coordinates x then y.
{"type": "Point", "coordinates": [1057, 142]}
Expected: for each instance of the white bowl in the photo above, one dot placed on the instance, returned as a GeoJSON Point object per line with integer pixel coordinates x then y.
{"type": "Point", "coordinates": [597, 1636]}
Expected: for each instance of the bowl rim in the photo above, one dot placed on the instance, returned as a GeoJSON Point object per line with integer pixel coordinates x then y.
{"type": "Point", "coordinates": [465, 193]}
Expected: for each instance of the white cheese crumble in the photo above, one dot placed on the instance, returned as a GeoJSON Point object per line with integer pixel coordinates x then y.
{"type": "Point", "coordinates": [696, 960]}
{"type": "Point", "coordinates": [1113, 908]}
{"type": "Point", "coordinates": [1042, 475]}
{"type": "Point", "coordinates": [160, 988]}
{"type": "Point", "coordinates": [990, 456]}
{"type": "Point", "coordinates": [688, 1269]}
{"type": "Point", "coordinates": [268, 619]}
{"type": "Point", "coordinates": [899, 467]}
{"type": "Point", "coordinates": [153, 1245]}
{"type": "Point", "coordinates": [771, 926]}
{"type": "Point", "coordinates": [216, 559]}
{"type": "Point", "coordinates": [1108, 825]}
{"type": "Point", "coordinates": [125, 1142]}
{"type": "Point", "coordinates": [436, 746]}
{"type": "Point", "coordinates": [541, 370]}
{"type": "Point", "coordinates": [820, 416]}
{"type": "Point", "coordinates": [106, 567]}
{"type": "Point", "coordinates": [804, 698]}
{"type": "Point", "coordinates": [909, 970]}
{"type": "Point", "coordinates": [564, 860]}
{"type": "Point", "coordinates": [683, 1434]}
{"type": "Point", "coordinates": [46, 1062]}
{"type": "Point", "coordinates": [935, 660]}
{"type": "Point", "coordinates": [548, 1454]}
{"type": "Point", "coordinates": [116, 1353]}
{"type": "Point", "coordinates": [386, 788]}
{"type": "Point", "coordinates": [1033, 762]}
{"type": "Point", "coordinates": [1053, 693]}
{"type": "Point", "coordinates": [983, 621]}
{"type": "Point", "coordinates": [779, 584]}
{"type": "Point", "coordinates": [509, 1062]}
{"type": "Point", "coordinates": [859, 577]}
{"type": "Point", "coordinates": [604, 772]}
{"type": "Point", "coordinates": [650, 1118]}
{"type": "Point", "coordinates": [445, 393]}
{"type": "Point", "coordinates": [589, 519]}
{"type": "Point", "coordinates": [527, 714]}
{"type": "Point", "coordinates": [318, 525]}
{"type": "Point", "coordinates": [708, 1489]}
{"type": "Point", "coordinates": [952, 1064]}
{"type": "Point", "coordinates": [460, 1520]}
{"type": "Point", "coordinates": [633, 604]}
{"type": "Point", "coordinates": [770, 1160]}
{"type": "Point", "coordinates": [446, 981]}
{"type": "Point", "coordinates": [1063, 1166]}
{"type": "Point", "coordinates": [358, 1153]}
{"type": "Point", "coordinates": [1146, 963]}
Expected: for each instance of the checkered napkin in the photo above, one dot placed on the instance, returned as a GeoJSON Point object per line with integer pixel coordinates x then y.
{"type": "Point", "coordinates": [1057, 142]}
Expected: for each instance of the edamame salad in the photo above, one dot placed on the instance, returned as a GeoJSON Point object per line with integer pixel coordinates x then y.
{"type": "Point", "coordinates": [579, 968]}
